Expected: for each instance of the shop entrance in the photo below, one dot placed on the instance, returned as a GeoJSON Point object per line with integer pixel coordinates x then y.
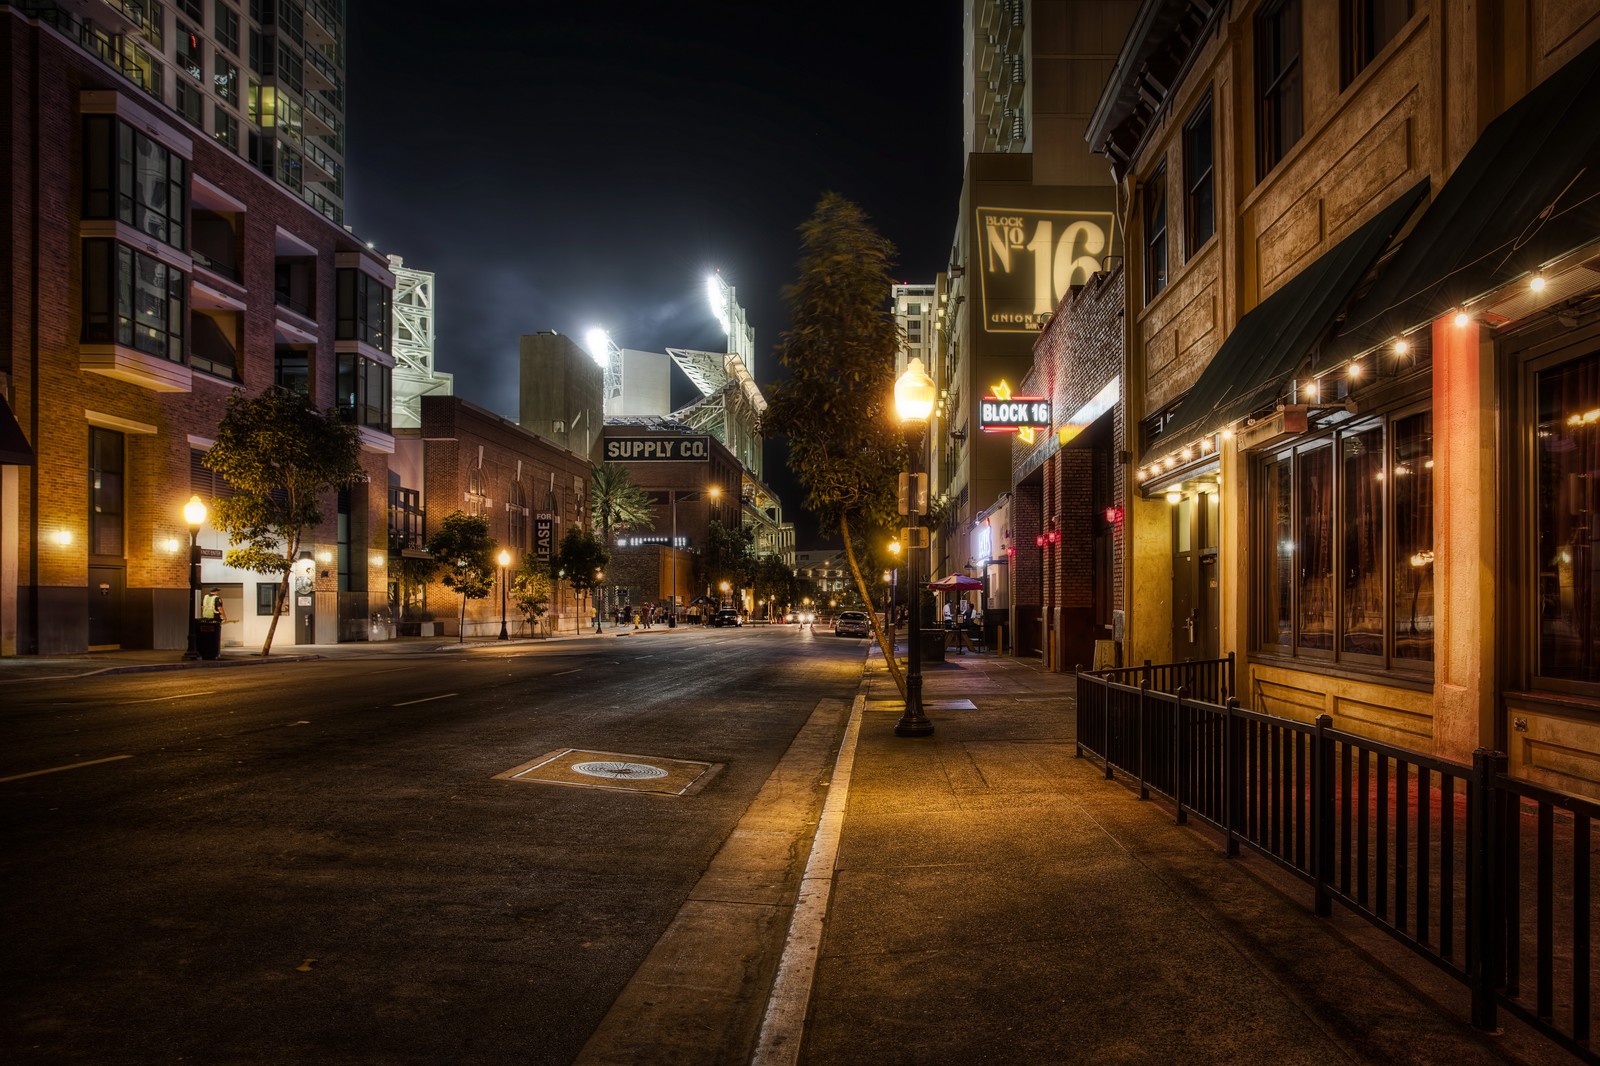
{"type": "Point", "coordinates": [1196, 580]}
{"type": "Point", "coordinates": [107, 586]}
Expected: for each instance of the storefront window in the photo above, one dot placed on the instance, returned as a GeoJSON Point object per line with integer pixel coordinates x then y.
{"type": "Point", "coordinates": [1315, 504]}
{"type": "Point", "coordinates": [1413, 537]}
{"type": "Point", "coordinates": [1364, 477]}
{"type": "Point", "coordinates": [1277, 601]}
{"type": "Point", "coordinates": [1569, 462]}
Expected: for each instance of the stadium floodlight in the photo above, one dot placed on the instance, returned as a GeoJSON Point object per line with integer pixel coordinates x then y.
{"type": "Point", "coordinates": [597, 342]}
{"type": "Point", "coordinates": [718, 295]}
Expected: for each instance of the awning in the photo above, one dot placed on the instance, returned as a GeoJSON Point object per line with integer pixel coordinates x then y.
{"type": "Point", "coordinates": [1275, 337]}
{"type": "Point", "coordinates": [14, 449]}
{"type": "Point", "coordinates": [1527, 192]}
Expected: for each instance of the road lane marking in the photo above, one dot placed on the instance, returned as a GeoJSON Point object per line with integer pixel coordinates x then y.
{"type": "Point", "coordinates": [574, 670]}
{"type": "Point", "coordinates": [58, 769]}
{"type": "Point", "coordinates": [179, 696]}
{"type": "Point", "coordinates": [425, 699]}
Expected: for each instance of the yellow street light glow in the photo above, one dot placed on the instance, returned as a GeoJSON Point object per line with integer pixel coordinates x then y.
{"type": "Point", "coordinates": [324, 556]}
{"type": "Point", "coordinates": [914, 393]}
{"type": "Point", "coordinates": [194, 512]}
{"type": "Point", "coordinates": [1537, 283]}
{"type": "Point", "coordinates": [170, 544]}
{"type": "Point", "coordinates": [63, 537]}
{"type": "Point", "coordinates": [505, 558]}
{"type": "Point", "coordinates": [1355, 371]}
{"type": "Point", "coordinates": [376, 560]}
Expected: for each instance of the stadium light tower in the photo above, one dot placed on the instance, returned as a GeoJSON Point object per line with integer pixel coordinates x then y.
{"type": "Point", "coordinates": [597, 342]}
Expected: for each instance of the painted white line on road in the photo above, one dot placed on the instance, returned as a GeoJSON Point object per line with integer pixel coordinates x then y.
{"type": "Point", "coordinates": [785, 1022]}
{"type": "Point", "coordinates": [425, 699]}
{"type": "Point", "coordinates": [160, 699]}
{"type": "Point", "coordinates": [574, 670]}
{"type": "Point", "coordinates": [58, 769]}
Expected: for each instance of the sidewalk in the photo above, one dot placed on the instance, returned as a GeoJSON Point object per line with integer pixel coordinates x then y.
{"type": "Point", "coordinates": [996, 900]}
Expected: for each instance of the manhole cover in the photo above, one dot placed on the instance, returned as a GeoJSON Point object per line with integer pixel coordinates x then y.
{"type": "Point", "coordinates": [634, 771]}
{"type": "Point", "coordinates": [614, 770]}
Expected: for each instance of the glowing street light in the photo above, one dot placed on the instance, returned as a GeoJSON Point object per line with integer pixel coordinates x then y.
{"type": "Point", "coordinates": [194, 516]}
{"type": "Point", "coordinates": [914, 393]}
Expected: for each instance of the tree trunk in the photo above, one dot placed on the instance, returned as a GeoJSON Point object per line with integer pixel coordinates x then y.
{"type": "Point", "coordinates": [461, 630]}
{"type": "Point", "coordinates": [283, 594]}
{"type": "Point", "coordinates": [887, 647]}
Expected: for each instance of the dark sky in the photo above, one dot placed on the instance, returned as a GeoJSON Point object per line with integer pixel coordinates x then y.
{"type": "Point", "coordinates": [561, 166]}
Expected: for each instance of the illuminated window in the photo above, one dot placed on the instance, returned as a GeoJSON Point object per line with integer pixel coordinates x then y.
{"type": "Point", "coordinates": [134, 179]}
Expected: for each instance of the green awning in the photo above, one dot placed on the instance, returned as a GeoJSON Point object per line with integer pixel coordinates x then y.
{"type": "Point", "coordinates": [1526, 193]}
{"type": "Point", "coordinates": [1277, 336]}
{"type": "Point", "coordinates": [14, 449]}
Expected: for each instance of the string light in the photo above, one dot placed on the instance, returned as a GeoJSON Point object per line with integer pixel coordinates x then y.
{"type": "Point", "coordinates": [1401, 347]}
{"type": "Point", "coordinates": [1537, 283]}
{"type": "Point", "coordinates": [1355, 371]}
{"type": "Point", "coordinates": [1462, 318]}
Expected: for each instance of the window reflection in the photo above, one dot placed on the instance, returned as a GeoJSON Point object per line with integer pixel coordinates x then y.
{"type": "Point", "coordinates": [1569, 459]}
{"type": "Point", "coordinates": [1316, 542]}
{"type": "Point", "coordinates": [1364, 476]}
{"type": "Point", "coordinates": [1413, 537]}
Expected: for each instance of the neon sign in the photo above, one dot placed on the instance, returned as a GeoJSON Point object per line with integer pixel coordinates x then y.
{"type": "Point", "coordinates": [1004, 412]}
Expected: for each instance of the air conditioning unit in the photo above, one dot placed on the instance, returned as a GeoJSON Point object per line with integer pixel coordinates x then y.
{"type": "Point", "coordinates": [1283, 424]}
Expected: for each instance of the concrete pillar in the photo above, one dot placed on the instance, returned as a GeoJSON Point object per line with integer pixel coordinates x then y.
{"type": "Point", "coordinates": [1464, 542]}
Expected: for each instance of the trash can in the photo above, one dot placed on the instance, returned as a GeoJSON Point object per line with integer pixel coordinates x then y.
{"type": "Point", "coordinates": [208, 639]}
{"type": "Point", "coordinates": [932, 645]}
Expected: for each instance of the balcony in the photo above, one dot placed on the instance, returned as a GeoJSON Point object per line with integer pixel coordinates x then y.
{"type": "Point", "coordinates": [322, 24]}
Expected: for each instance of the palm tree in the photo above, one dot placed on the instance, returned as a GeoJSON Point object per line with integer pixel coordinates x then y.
{"type": "Point", "coordinates": [617, 504]}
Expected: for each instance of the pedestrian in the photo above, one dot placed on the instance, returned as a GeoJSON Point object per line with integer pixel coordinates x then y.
{"type": "Point", "coordinates": [947, 617]}
{"type": "Point", "coordinates": [211, 607]}
{"type": "Point", "coordinates": [966, 612]}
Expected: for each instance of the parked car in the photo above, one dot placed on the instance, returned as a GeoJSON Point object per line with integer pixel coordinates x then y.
{"type": "Point", "coordinates": [851, 624]}
{"type": "Point", "coordinates": [726, 617]}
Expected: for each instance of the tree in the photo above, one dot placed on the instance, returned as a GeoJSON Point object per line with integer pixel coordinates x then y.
{"type": "Point", "coordinates": [581, 559]}
{"type": "Point", "coordinates": [773, 582]}
{"type": "Point", "coordinates": [837, 407]}
{"type": "Point", "coordinates": [412, 576]}
{"type": "Point", "coordinates": [530, 589]}
{"type": "Point", "coordinates": [729, 555]}
{"type": "Point", "coordinates": [462, 547]}
{"type": "Point", "coordinates": [617, 504]}
{"type": "Point", "coordinates": [282, 457]}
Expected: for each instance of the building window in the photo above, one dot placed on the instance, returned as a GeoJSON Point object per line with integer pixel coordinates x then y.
{"type": "Point", "coordinates": [267, 597]}
{"type": "Point", "coordinates": [364, 391]}
{"type": "Point", "coordinates": [193, 8]}
{"type": "Point", "coordinates": [214, 342]}
{"type": "Point", "coordinates": [105, 491]}
{"type": "Point", "coordinates": [291, 69]}
{"type": "Point", "coordinates": [1568, 546]}
{"type": "Point", "coordinates": [1278, 104]}
{"type": "Point", "coordinates": [224, 127]}
{"type": "Point", "coordinates": [1155, 233]}
{"type": "Point", "coordinates": [363, 312]}
{"type": "Point", "coordinates": [1368, 25]}
{"type": "Point", "coordinates": [226, 27]}
{"type": "Point", "coordinates": [517, 519]}
{"type": "Point", "coordinates": [476, 500]}
{"type": "Point", "coordinates": [133, 179]}
{"type": "Point", "coordinates": [1344, 524]}
{"type": "Point", "coordinates": [225, 77]}
{"type": "Point", "coordinates": [190, 104]}
{"type": "Point", "coordinates": [290, 168]}
{"type": "Point", "coordinates": [291, 370]}
{"type": "Point", "coordinates": [132, 299]}
{"type": "Point", "coordinates": [1199, 201]}
{"type": "Point", "coordinates": [405, 519]}
{"type": "Point", "coordinates": [188, 52]}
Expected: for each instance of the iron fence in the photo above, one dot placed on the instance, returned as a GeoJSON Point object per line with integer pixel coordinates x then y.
{"type": "Point", "coordinates": [1489, 877]}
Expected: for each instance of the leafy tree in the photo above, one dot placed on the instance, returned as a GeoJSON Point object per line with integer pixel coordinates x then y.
{"type": "Point", "coordinates": [837, 409]}
{"type": "Point", "coordinates": [463, 549]}
{"type": "Point", "coordinates": [413, 576]}
{"type": "Point", "coordinates": [580, 560]}
{"type": "Point", "coordinates": [772, 581]}
{"type": "Point", "coordinates": [282, 456]}
{"type": "Point", "coordinates": [729, 555]}
{"type": "Point", "coordinates": [617, 504]}
{"type": "Point", "coordinates": [531, 587]}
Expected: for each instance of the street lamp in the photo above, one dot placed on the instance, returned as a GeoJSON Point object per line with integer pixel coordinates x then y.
{"type": "Point", "coordinates": [894, 587]}
{"type": "Point", "coordinates": [723, 599]}
{"type": "Point", "coordinates": [913, 402]}
{"type": "Point", "coordinates": [505, 561]}
{"type": "Point", "coordinates": [672, 498]}
{"type": "Point", "coordinates": [599, 579]}
{"type": "Point", "coordinates": [194, 514]}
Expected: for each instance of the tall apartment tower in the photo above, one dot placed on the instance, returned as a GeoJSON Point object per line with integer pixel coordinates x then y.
{"type": "Point", "coordinates": [413, 345]}
{"type": "Point", "coordinates": [264, 78]}
{"type": "Point", "coordinates": [914, 314]}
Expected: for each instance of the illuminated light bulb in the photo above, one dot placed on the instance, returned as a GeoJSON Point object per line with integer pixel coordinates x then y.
{"type": "Point", "coordinates": [1311, 390]}
{"type": "Point", "coordinates": [1206, 445]}
{"type": "Point", "coordinates": [1537, 283]}
{"type": "Point", "coordinates": [1462, 318]}
{"type": "Point", "coordinates": [1175, 495]}
{"type": "Point", "coordinates": [1143, 473]}
{"type": "Point", "coordinates": [1355, 371]}
{"type": "Point", "coordinates": [171, 544]}
{"type": "Point", "coordinates": [1428, 465]}
{"type": "Point", "coordinates": [1591, 416]}
{"type": "Point", "coordinates": [1401, 347]}
{"type": "Point", "coordinates": [1227, 434]}
{"type": "Point", "coordinates": [1187, 453]}
{"type": "Point", "coordinates": [63, 537]}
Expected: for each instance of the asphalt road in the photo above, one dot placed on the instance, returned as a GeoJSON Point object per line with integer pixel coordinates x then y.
{"type": "Point", "coordinates": [313, 861]}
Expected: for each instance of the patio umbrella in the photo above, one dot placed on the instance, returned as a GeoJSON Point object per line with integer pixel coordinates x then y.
{"type": "Point", "coordinates": [956, 583]}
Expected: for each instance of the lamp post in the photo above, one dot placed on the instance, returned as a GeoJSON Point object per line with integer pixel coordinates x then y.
{"type": "Point", "coordinates": [913, 402]}
{"type": "Point", "coordinates": [505, 561]}
{"type": "Point", "coordinates": [894, 586]}
{"type": "Point", "coordinates": [722, 599]}
{"type": "Point", "coordinates": [672, 498]}
{"type": "Point", "coordinates": [194, 514]}
{"type": "Point", "coordinates": [599, 580]}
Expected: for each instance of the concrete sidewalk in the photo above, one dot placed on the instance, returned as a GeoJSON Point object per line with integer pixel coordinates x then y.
{"type": "Point", "coordinates": [996, 900]}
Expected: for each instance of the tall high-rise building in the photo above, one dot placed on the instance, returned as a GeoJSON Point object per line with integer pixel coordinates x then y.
{"type": "Point", "coordinates": [914, 314]}
{"type": "Point", "coordinates": [264, 78]}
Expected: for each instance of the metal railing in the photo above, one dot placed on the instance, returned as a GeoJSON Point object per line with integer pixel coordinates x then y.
{"type": "Point", "coordinates": [1489, 877]}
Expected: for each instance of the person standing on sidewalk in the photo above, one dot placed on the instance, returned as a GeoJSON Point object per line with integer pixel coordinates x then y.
{"type": "Point", "coordinates": [211, 609]}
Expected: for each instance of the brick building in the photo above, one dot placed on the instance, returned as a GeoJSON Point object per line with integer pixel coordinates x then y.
{"type": "Point", "coordinates": [150, 271]}
{"type": "Point", "coordinates": [1363, 361]}
{"type": "Point", "coordinates": [529, 488]}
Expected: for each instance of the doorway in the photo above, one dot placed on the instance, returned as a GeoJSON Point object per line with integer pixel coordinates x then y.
{"type": "Point", "coordinates": [1196, 578]}
{"type": "Point", "coordinates": [107, 590]}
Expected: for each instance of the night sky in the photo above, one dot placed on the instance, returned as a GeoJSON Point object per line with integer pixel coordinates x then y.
{"type": "Point", "coordinates": [561, 166]}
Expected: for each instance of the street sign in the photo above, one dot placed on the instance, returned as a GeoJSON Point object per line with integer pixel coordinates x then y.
{"type": "Point", "coordinates": [914, 536]}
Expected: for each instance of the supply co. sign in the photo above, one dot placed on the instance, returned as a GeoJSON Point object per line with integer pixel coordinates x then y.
{"type": "Point", "coordinates": [1031, 259]}
{"type": "Point", "coordinates": [658, 449]}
